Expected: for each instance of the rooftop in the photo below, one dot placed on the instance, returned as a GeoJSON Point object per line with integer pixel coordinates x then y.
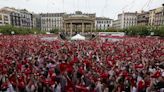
{"type": "Point", "coordinates": [102, 18]}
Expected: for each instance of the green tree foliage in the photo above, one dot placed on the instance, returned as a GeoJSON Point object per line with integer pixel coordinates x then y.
{"type": "Point", "coordinates": [161, 31]}
{"type": "Point", "coordinates": [110, 30]}
{"type": "Point", "coordinates": [8, 29]}
{"type": "Point", "coordinates": [55, 31]}
{"type": "Point", "coordinates": [158, 31]}
{"type": "Point", "coordinates": [100, 30]}
{"type": "Point", "coordinates": [137, 30]}
{"type": "Point", "coordinates": [144, 30]}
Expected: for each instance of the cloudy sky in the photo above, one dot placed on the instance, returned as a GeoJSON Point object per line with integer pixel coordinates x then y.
{"type": "Point", "coordinates": [106, 8]}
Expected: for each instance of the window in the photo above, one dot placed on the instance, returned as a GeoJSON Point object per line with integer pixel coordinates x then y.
{"type": "Point", "coordinates": [6, 23]}
{"type": "Point", "coordinates": [43, 21]}
{"type": "Point", "coordinates": [5, 18]}
{"type": "Point", "coordinates": [0, 17]}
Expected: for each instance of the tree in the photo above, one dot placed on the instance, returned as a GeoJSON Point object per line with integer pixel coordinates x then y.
{"type": "Point", "coordinates": [54, 31]}
{"type": "Point", "coordinates": [159, 31]}
{"type": "Point", "coordinates": [112, 30]}
{"type": "Point", "coordinates": [137, 30]}
{"type": "Point", "coordinates": [109, 30]}
{"type": "Point", "coordinates": [8, 29]}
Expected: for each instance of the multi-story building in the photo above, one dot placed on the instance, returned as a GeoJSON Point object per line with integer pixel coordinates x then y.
{"type": "Point", "coordinates": [127, 19]}
{"type": "Point", "coordinates": [14, 16]}
{"type": "Point", "coordinates": [156, 16]}
{"type": "Point", "coordinates": [91, 15]}
{"type": "Point", "coordinates": [26, 18]}
{"type": "Point", "coordinates": [103, 23]}
{"type": "Point", "coordinates": [4, 18]}
{"type": "Point", "coordinates": [116, 24]}
{"type": "Point", "coordinates": [51, 21]}
{"type": "Point", "coordinates": [18, 18]}
{"type": "Point", "coordinates": [143, 18]}
{"type": "Point", "coordinates": [79, 22]}
{"type": "Point", "coordinates": [36, 21]}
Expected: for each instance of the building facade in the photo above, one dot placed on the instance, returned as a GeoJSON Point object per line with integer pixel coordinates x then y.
{"type": "Point", "coordinates": [18, 18]}
{"type": "Point", "coordinates": [51, 21]}
{"type": "Point", "coordinates": [156, 16]}
{"type": "Point", "coordinates": [36, 21]}
{"type": "Point", "coordinates": [143, 18]}
{"type": "Point", "coordinates": [4, 19]}
{"type": "Point", "coordinates": [116, 24]}
{"type": "Point", "coordinates": [79, 22]}
{"type": "Point", "coordinates": [103, 23]}
{"type": "Point", "coordinates": [26, 19]}
{"type": "Point", "coordinates": [14, 16]}
{"type": "Point", "coordinates": [127, 19]}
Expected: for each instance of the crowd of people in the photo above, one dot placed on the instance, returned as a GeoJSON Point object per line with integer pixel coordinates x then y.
{"type": "Point", "coordinates": [29, 64]}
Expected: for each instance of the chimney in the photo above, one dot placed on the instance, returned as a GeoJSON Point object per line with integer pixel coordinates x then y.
{"type": "Point", "coordinates": [136, 12]}
{"type": "Point", "coordinates": [142, 11]}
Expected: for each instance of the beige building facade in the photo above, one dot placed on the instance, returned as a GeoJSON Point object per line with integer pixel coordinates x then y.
{"type": "Point", "coordinates": [103, 23]}
{"type": "Point", "coordinates": [116, 24]}
{"type": "Point", "coordinates": [51, 21]}
{"type": "Point", "coordinates": [127, 19]}
{"type": "Point", "coordinates": [156, 16]}
{"type": "Point", "coordinates": [4, 19]}
{"type": "Point", "coordinates": [79, 22]}
{"type": "Point", "coordinates": [143, 18]}
{"type": "Point", "coordinates": [18, 17]}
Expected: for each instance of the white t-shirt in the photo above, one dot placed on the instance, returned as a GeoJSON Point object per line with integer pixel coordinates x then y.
{"type": "Point", "coordinates": [58, 88]}
{"type": "Point", "coordinates": [134, 89]}
{"type": "Point", "coordinates": [10, 88]}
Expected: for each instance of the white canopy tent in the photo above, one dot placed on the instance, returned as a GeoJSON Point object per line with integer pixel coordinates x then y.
{"type": "Point", "coordinates": [78, 37]}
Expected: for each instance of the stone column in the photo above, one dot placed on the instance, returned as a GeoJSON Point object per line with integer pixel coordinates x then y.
{"type": "Point", "coordinates": [71, 28]}
{"type": "Point", "coordinates": [65, 27]}
{"type": "Point", "coordinates": [76, 27]}
{"type": "Point", "coordinates": [82, 27]}
{"type": "Point", "coordinates": [91, 27]}
{"type": "Point", "coordinates": [85, 27]}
